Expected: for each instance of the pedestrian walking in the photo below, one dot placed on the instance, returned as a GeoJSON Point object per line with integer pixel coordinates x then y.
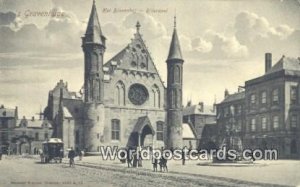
{"type": "Point", "coordinates": [184, 154]}
{"type": "Point", "coordinates": [0, 152]}
{"type": "Point", "coordinates": [140, 164]}
{"type": "Point", "coordinates": [129, 157]}
{"type": "Point", "coordinates": [135, 159]}
{"type": "Point", "coordinates": [163, 164]}
{"type": "Point", "coordinates": [61, 155]}
{"type": "Point", "coordinates": [154, 163]}
{"type": "Point", "coordinates": [183, 157]}
{"type": "Point", "coordinates": [71, 156]}
{"type": "Point", "coordinates": [80, 155]}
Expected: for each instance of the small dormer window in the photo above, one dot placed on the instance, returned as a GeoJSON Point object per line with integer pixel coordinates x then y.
{"type": "Point", "coordinates": [138, 46]}
{"type": "Point", "coordinates": [4, 113]}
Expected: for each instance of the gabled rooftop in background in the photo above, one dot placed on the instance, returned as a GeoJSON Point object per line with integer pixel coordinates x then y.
{"type": "Point", "coordinates": [234, 97]}
{"type": "Point", "coordinates": [33, 123]}
{"type": "Point", "coordinates": [7, 112]}
{"type": "Point", "coordinates": [286, 66]}
{"type": "Point", "coordinates": [198, 109]}
{"type": "Point", "coordinates": [286, 63]}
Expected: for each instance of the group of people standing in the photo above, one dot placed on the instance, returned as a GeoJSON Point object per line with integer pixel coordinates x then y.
{"type": "Point", "coordinates": [134, 159]}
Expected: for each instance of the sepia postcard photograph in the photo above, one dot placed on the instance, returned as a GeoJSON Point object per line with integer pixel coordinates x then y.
{"type": "Point", "coordinates": [130, 93]}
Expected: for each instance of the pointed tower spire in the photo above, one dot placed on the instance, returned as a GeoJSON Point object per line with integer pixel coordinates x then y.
{"type": "Point", "coordinates": [174, 93]}
{"type": "Point", "coordinates": [175, 51]}
{"type": "Point", "coordinates": [138, 26]}
{"type": "Point", "coordinates": [175, 21]}
{"type": "Point", "coordinates": [93, 45]}
{"type": "Point", "coordinates": [93, 32]}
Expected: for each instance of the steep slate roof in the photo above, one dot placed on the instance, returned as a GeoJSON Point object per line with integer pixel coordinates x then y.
{"type": "Point", "coordinates": [286, 63]}
{"type": "Point", "coordinates": [196, 109]}
{"type": "Point", "coordinates": [175, 51]}
{"type": "Point", "coordinates": [33, 123]}
{"type": "Point", "coordinates": [188, 132]}
{"type": "Point", "coordinates": [234, 97]}
{"type": "Point", "coordinates": [7, 113]}
{"type": "Point", "coordinates": [93, 31]}
{"type": "Point", "coordinates": [67, 113]}
{"type": "Point", "coordinates": [128, 51]}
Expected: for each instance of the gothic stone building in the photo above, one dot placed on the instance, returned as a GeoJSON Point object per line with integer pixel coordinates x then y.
{"type": "Point", "coordinates": [123, 101]}
{"type": "Point", "coordinates": [8, 118]}
{"type": "Point", "coordinates": [18, 136]}
{"type": "Point", "coordinates": [267, 113]}
{"type": "Point", "coordinates": [202, 119]}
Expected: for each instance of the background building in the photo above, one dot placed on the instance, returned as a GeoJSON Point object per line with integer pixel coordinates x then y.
{"type": "Point", "coordinates": [123, 101]}
{"type": "Point", "coordinates": [18, 136]}
{"type": "Point", "coordinates": [28, 135]}
{"type": "Point", "coordinates": [266, 114]}
{"type": "Point", "coordinates": [200, 117]}
{"type": "Point", "coordinates": [8, 118]}
{"type": "Point", "coordinates": [273, 106]}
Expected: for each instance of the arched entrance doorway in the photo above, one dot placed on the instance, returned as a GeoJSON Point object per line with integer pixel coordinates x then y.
{"type": "Point", "coordinates": [141, 130]}
{"type": "Point", "coordinates": [23, 144]}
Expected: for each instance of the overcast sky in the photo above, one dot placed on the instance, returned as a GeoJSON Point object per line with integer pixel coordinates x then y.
{"type": "Point", "coordinates": [223, 42]}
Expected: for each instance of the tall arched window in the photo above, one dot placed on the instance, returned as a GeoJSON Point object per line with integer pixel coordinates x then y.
{"type": "Point", "coordinates": [177, 74]}
{"type": "Point", "coordinates": [95, 64]}
{"type": "Point", "coordinates": [175, 98]}
{"type": "Point", "coordinates": [119, 94]}
{"type": "Point", "coordinates": [115, 129]}
{"type": "Point", "coordinates": [160, 130]}
{"type": "Point", "coordinates": [155, 96]}
{"type": "Point", "coordinates": [172, 73]}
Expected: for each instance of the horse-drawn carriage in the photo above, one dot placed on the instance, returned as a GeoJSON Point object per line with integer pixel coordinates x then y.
{"type": "Point", "coordinates": [52, 149]}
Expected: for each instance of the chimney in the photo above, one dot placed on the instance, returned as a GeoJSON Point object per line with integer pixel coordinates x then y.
{"type": "Point", "coordinates": [226, 93]}
{"type": "Point", "coordinates": [32, 118]}
{"type": "Point", "coordinates": [189, 103]}
{"type": "Point", "coordinates": [16, 113]}
{"type": "Point", "coordinates": [201, 104]}
{"type": "Point", "coordinates": [268, 62]}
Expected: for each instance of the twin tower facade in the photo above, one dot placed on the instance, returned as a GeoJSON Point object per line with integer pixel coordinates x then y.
{"type": "Point", "coordinates": [124, 101]}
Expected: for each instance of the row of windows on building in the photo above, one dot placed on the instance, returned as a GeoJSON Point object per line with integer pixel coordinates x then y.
{"type": "Point", "coordinates": [275, 96]}
{"type": "Point", "coordinates": [116, 130]}
{"type": "Point", "coordinates": [274, 123]}
{"type": "Point", "coordinates": [233, 110]}
{"type": "Point", "coordinates": [37, 136]}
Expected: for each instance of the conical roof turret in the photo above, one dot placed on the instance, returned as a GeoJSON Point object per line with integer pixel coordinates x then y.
{"type": "Point", "coordinates": [93, 32]}
{"type": "Point", "coordinates": [175, 51]}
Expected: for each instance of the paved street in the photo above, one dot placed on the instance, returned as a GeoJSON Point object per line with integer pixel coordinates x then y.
{"type": "Point", "coordinates": [16, 172]}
